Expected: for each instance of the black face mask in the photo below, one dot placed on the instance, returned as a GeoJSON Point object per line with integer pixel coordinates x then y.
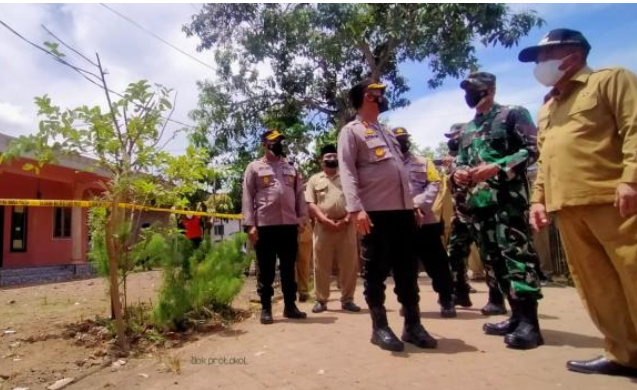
{"type": "Point", "coordinates": [404, 146]}
{"type": "Point", "coordinates": [473, 97]}
{"type": "Point", "coordinates": [277, 149]}
{"type": "Point", "coordinates": [331, 163]}
{"type": "Point", "coordinates": [383, 104]}
{"type": "Point", "coordinates": [453, 145]}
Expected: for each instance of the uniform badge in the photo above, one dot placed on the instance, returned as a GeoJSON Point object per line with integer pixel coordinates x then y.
{"type": "Point", "coordinates": [370, 133]}
{"type": "Point", "coordinates": [291, 179]}
{"type": "Point", "coordinates": [380, 152]}
{"type": "Point", "coordinates": [265, 180]}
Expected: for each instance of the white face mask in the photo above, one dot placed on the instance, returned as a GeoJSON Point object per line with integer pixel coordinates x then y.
{"type": "Point", "coordinates": [548, 73]}
{"type": "Point", "coordinates": [189, 216]}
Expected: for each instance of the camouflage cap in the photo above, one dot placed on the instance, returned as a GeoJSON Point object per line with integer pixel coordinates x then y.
{"type": "Point", "coordinates": [400, 132]}
{"type": "Point", "coordinates": [455, 129]}
{"type": "Point", "coordinates": [478, 80]}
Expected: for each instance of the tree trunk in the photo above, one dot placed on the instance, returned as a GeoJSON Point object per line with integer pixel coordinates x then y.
{"type": "Point", "coordinates": [113, 223]}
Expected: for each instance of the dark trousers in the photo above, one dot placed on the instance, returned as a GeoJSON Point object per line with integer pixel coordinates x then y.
{"type": "Point", "coordinates": [389, 247]}
{"type": "Point", "coordinates": [432, 254]}
{"type": "Point", "coordinates": [196, 242]}
{"type": "Point", "coordinates": [276, 241]}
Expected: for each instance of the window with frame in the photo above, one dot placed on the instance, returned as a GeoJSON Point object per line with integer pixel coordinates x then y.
{"type": "Point", "coordinates": [219, 230]}
{"type": "Point", "coordinates": [19, 216]}
{"type": "Point", "coordinates": [62, 222]}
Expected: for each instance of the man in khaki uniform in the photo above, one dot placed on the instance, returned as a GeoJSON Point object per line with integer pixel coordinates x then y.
{"type": "Point", "coordinates": [334, 234]}
{"type": "Point", "coordinates": [587, 175]}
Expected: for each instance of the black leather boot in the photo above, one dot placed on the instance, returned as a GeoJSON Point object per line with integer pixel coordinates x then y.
{"type": "Point", "coordinates": [293, 312]}
{"type": "Point", "coordinates": [447, 308]}
{"type": "Point", "coordinates": [527, 335]}
{"type": "Point", "coordinates": [414, 332]}
{"type": "Point", "coordinates": [495, 306]}
{"type": "Point", "coordinates": [462, 299]}
{"type": "Point", "coordinates": [382, 335]}
{"type": "Point", "coordinates": [506, 326]}
{"type": "Point", "coordinates": [266, 312]}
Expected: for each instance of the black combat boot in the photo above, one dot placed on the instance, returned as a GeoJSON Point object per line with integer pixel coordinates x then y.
{"type": "Point", "coordinates": [266, 312]}
{"type": "Point", "coordinates": [414, 332]}
{"type": "Point", "coordinates": [527, 335]}
{"type": "Point", "coordinates": [462, 291]}
{"type": "Point", "coordinates": [447, 307]}
{"type": "Point", "coordinates": [382, 335]}
{"type": "Point", "coordinates": [293, 312]}
{"type": "Point", "coordinates": [506, 326]}
{"type": "Point", "coordinates": [495, 306]}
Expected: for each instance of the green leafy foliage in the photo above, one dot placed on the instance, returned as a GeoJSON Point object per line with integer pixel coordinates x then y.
{"type": "Point", "coordinates": [316, 52]}
{"type": "Point", "coordinates": [212, 280]}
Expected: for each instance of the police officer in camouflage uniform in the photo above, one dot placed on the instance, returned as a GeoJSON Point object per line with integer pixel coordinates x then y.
{"type": "Point", "coordinates": [462, 236]}
{"type": "Point", "coordinates": [495, 150]}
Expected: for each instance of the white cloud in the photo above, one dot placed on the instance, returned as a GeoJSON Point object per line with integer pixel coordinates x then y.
{"type": "Point", "coordinates": [553, 12]}
{"type": "Point", "coordinates": [128, 53]}
{"type": "Point", "coordinates": [11, 115]}
{"type": "Point", "coordinates": [429, 117]}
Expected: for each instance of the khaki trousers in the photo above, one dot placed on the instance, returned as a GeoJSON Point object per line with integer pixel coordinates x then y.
{"type": "Point", "coordinates": [601, 249]}
{"type": "Point", "coordinates": [542, 244]}
{"type": "Point", "coordinates": [303, 266]}
{"type": "Point", "coordinates": [475, 263]}
{"type": "Point", "coordinates": [335, 247]}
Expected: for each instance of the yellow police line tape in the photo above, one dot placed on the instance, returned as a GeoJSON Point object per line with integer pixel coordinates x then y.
{"type": "Point", "coordinates": [91, 203]}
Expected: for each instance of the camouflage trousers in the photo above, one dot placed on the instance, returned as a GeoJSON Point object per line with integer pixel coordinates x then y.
{"type": "Point", "coordinates": [458, 248]}
{"type": "Point", "coordinates": [506, 246]}
{"type": "Point", "coordinates": [463, 235]}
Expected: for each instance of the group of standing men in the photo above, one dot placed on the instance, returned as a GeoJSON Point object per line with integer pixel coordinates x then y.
{"type": "Point", "coordinates": [375, 186]}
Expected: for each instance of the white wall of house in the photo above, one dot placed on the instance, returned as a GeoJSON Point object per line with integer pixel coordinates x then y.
{"type": "Point", "coordinates": [223, 229]}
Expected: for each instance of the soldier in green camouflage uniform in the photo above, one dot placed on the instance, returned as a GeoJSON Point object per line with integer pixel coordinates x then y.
{"type": "Point", "coordinates": [495, 150]}
{"type": "Point", "coordinates": [462, 236]}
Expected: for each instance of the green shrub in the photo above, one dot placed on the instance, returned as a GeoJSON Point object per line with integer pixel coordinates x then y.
{"type": "Point", "coordinates": [213, 278]}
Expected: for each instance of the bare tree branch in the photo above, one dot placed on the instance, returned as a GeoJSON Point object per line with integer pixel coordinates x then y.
{"type": "Point", "coordinates": [68, 47]}
{"type": "Point", "coordinates": [110, 103]}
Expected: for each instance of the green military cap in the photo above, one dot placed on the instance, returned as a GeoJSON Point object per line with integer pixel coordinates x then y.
{"type": "Point", "coordinates": [455, 129]}
{"type": "Point", "coordinates": [478, 80]}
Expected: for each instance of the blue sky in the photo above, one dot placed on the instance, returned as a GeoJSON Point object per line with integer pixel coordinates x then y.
{"type": "Point", "coordinates": [610, 29]}
{"type": "Point", "coordinates": [130, 55]}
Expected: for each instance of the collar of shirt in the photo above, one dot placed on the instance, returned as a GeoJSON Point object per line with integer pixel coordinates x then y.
{"type": "Point", "coordinates": [376, 125]}
{"type": "Point", "coordinates": [324, 175]}
{"type": "Point", "coordinates": [494, 109]}
{"type": "Point", "coordinates": [581, 77]}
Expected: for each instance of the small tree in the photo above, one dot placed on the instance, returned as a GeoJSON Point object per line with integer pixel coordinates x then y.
{"type": "Point", "coordinates": [124, 140]}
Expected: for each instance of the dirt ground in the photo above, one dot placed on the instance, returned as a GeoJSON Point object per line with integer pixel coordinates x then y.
{"type": "Point", "coordinates": [328, 350]}
{"type": "Point", "coordinates": [41, 350]}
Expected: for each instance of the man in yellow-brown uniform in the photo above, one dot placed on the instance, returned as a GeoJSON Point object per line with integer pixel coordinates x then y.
{"type": "Point", "coordinates": [587, 176]}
